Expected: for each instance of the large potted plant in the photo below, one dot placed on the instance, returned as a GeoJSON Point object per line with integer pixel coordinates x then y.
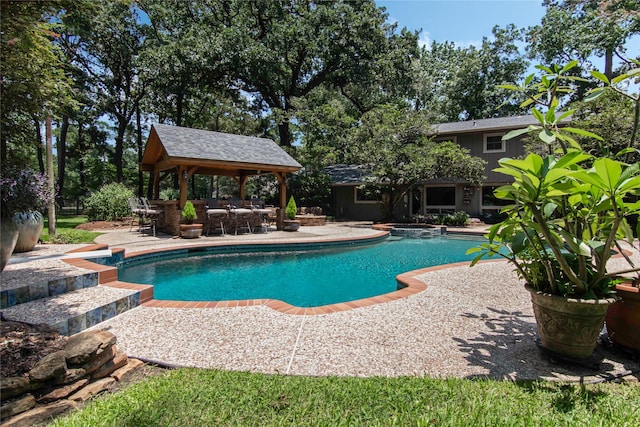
{"type": "Point", "coordinates": [24, 194]}
{"type": "Point", "coordinates": [189, 229]}
{"type": "Point", "coordinates": [291, 210]}
{"type": "Point", "coordinates": [566, 215]}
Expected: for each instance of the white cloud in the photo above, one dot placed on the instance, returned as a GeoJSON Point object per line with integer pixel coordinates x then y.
{"type": "Point", "coordinates": [424, 40]}
{"type": "Point", "coordinates": [468, 43]}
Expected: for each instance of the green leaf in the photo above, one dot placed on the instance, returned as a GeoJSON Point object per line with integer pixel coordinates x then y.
{"type": "Point", "coordinates": [569, 66]}
{"type": "Point", "coordinates": [594, 93]}
{"type": "Point", "coordinates": [538, 115]}
{"type": "Point", "coordinates": [565, 115]}
{"type": "Point", "coordinates": [600, 76]}
{"type": "Point", "coordinates": [517, 132]}
{"type": "Point", "coordinates": [582, 132]}
{"type": "Point", "coordinates": [547, 136]}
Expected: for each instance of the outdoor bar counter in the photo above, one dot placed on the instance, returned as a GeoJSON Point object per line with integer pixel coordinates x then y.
{"type": "Point", "coordinates": [169, 220]}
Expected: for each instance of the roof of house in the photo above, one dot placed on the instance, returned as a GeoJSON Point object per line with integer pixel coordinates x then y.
{"type": "Point", "coordinates": [347, 174]}
{"type": "Point", "coordinates": [484, 125]}
{"type": "Point", "coordinates": [176, 144]}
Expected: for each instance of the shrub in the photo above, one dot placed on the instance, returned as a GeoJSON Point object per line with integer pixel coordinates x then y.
{"type": "Point", "coordinates": [456, 219]}
{"type": "Point", "coordinates": [189, 213]}
{"type": "Point", "coordinates": [291, 208]}
{"type": "Point", "coordinates": [109, 203]}
{"type": "Point", "coordinates": [23, 190]}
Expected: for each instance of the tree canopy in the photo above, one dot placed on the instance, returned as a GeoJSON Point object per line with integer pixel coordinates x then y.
{"type": "Point", "coordinates": [333, 81]}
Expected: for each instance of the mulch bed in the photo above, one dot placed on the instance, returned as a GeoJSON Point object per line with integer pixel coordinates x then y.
{"type": "Point", "coordinates": [106, 225]}
{"type": "Point", "coordinates": [23, 345]}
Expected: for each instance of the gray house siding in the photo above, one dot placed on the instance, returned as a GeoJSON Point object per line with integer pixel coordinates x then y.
{"type": "Point", "coordinates": [476, 200]}
{"type": "Point", "coordinates": [347, 208]}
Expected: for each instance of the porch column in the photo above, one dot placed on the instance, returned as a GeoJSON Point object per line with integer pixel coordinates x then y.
{"type": "Point", "coordinates": [184, 179]}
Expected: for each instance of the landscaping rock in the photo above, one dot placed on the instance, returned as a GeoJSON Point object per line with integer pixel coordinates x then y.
{"type": "Point", "coordinates": [40, 414]}
{"type": "Point", "coordinates": [132, 365]}
{"type": "Point", "coordinates": [12, 408]}
{"type": "Point", "coordinates": [13, 386]}
{"type": "Point", "coordinates": [52, 366]}
{"type": "Point", "coordinates": [93, 389]}
{"type": "Point", "coordinates": [86, 345]}
{"type": "Point", "coordinates": [71, 375]}
{"type": "Point", "coordinates": [63, 392]}
{"type": "Point", "coordinates": [118, 361]}
{"type": "Point", "coordinates": [100, 359]}
{"type": "Point", "coordinates": [58, 372]}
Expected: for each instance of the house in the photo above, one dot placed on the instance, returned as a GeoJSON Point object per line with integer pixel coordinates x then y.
{"type": "Point", "coordinates": [483, 138]}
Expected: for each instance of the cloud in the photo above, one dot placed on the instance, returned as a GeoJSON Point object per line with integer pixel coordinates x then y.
{"type": "Point", "coordinates": [424, 40]}
{"type": "Point", "coordinates": [468, 43]}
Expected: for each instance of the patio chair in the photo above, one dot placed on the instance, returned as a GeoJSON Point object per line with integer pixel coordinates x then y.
{"type": "Point", "coordinates": [152, 213]}
{"type": "Point", "coordinates": [136, 210]}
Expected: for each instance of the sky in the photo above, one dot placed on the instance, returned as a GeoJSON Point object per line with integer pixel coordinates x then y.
{"type": "Point", "coordinates": [464, 22]}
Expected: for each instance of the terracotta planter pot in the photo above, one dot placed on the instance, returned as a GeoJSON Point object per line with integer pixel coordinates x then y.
{"type": "Point", "coordinates": [8, 239]}
{"type": "Point", "coordinates": [569, 326]}
{"type": "Point", "coordinates": [290, 225]}
{"type": "Point", "coordinates": [30, 226]}
{"type": "Point", "coordinates": [191, 231]}
{"type": "Point", "coordinates": [623, 317]}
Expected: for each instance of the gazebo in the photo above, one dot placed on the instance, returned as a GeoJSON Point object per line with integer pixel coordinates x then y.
{"type": "Point", "coordinates": [185, 152]}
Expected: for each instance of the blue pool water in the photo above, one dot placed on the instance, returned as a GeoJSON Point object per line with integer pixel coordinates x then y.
{"type": "Point", "coordinates": [303, 279]}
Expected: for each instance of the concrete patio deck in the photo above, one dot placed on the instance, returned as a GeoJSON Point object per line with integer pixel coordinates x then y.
{"type": "Point", "coordinates": [468, 322]}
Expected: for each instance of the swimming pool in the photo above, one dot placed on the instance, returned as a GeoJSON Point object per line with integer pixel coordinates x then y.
{"type": "Point", "coordinates": [307, 278]}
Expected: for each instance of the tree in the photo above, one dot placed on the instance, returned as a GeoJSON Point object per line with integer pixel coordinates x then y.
{"type": "Point", "coordinates": [33, 84]}
{"type": "Point", "coordinates": [111, 43]}
{"type": "Point", "coordinates": [281, 50]}
{"type": "Point", "coordinates": [395, 143]}
{"type": "Point", "coordinates": [580, 29]}
{"type": "Point", "coordinates": [457, 83]}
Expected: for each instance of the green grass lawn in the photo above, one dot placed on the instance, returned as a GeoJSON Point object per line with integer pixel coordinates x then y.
{"type": "Point", "coordinates": [198, 397]}
{"type": "Point", "coordinates": [66, 231]}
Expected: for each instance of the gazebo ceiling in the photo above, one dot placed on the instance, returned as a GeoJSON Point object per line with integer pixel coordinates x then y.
{"type": "Point", "coordinates": [213, 153]}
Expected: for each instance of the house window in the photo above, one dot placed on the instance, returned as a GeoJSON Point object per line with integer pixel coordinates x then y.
{"type": "Point", "coordinates": [441, 198]}
{"type": "Point", "coordinates": [493, 143]}
{"type": "Point", "coordinates": [364, 194]}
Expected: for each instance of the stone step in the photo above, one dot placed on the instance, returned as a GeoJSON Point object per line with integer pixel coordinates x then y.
{"type": "Point", "coordinates": [72, 312]}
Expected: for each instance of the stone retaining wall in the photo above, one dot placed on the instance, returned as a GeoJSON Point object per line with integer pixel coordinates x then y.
{"type": "Point", "coordinates": [89, 364]}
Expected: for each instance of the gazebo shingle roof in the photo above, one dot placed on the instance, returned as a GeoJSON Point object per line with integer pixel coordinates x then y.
{"type": "Point", "coordinates": [182, 142]}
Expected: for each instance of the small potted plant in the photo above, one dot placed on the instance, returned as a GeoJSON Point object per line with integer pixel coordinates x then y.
{"type": "Point", "coordinates": [566, 216]}
{"type": "Point", "coordinates": [189, 229]}
{"type": "Point", "coordinates": [291, 224]}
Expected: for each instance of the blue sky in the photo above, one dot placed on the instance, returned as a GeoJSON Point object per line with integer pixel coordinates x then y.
{"type": "Point", "coordinates": [464, 22]}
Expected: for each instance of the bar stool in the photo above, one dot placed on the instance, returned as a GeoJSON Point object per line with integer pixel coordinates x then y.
{"type": "Point", "coordinates": [242, 215]}
{"type": "Point", "coordinates": [216, 215]}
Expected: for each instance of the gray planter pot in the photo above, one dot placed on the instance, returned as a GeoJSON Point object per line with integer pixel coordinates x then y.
{"type": "Point", "coordinates": [8, 239]}
{"type": "Point", "coordinates": [191, 231]}
{"type": "Point", "coordinates": [290, 225]}
{"type": "Point", "coordinates": [569, 326]}
{"type": "Point", "coordinates": [30, 226]}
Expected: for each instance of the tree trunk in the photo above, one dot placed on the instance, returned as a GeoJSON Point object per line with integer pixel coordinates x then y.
{"type": "Point", "coordinates": [50, 177]}
{"type": "Point", "coordinates": [140, 152]}
{"type": "Point", "coordinates": [122, 126]}
{"type": "Point", "coordinates": [608, 63]}
{"type": "Point", "coordinates": [81, 163]}
{"type": "Point", "coordinates": [36, 123]}
{"type": "Point", "coordinates": [62, 159]}
{"type": "Point", "coordinates": [285, 134]}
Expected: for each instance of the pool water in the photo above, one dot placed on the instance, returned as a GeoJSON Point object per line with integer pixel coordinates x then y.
{"type": "Point", "coordinates": [303, 279]}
